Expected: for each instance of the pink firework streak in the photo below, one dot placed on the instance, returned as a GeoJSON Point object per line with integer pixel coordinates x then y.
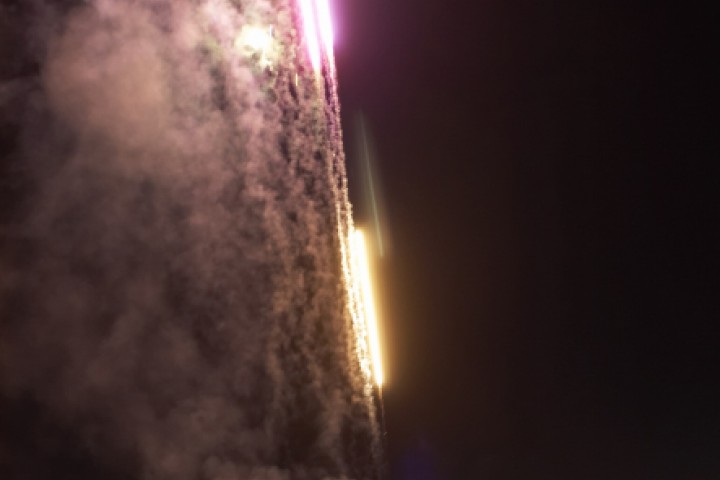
{"type": "Point", "coordinates": [317, 23]}
{"type": "Point", "coordinates": [322, 8]}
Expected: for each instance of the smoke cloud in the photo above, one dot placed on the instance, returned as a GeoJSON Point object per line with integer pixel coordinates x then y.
{"type": "Point", "coordinates": [171, 304]}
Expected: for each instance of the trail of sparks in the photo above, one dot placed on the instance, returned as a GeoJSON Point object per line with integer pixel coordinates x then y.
{"type": "Point", "coordinates": [353, 251]}
{"type": "Point", "coordinates": [314, 13]}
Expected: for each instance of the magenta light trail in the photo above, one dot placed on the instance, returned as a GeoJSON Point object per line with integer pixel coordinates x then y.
{"type": "Point", "coordinates": [318, 32]}
{"type": "Point", "coordinates": [322, 8]}
{"type": "Point", "coordinates": [311, 34]}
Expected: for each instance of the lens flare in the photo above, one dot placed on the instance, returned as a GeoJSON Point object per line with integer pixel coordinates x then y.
{"type": "Point", "coordinates": [367, 301]}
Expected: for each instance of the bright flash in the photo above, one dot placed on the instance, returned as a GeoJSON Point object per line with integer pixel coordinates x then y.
{"type": "Point", "coordinates": [255, 40]}
{"type": "Point", "coordinates": [362, 276]}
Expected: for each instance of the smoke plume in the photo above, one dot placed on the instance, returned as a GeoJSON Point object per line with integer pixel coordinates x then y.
{"type": "Point", "coordinates": [171, 298]}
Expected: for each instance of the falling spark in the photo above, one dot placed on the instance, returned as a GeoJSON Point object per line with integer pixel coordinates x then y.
{"type": "Point", "coordinates": [367, 302]}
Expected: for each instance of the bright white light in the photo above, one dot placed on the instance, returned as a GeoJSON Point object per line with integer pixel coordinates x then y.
{"type": "Point", "coordinates": [362, 276]}
{"type": "Point", "coordinates": [322, 7]}
{"type": "Point", "coordinates": [310, 33]}
{"type": "Point", "coordinates": [255, 40]}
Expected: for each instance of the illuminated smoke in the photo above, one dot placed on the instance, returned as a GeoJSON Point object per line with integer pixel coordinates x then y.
{"type": "Point", "coordinates": [258, 41]}
{"type": "Point", "coordinates": [175, 246]}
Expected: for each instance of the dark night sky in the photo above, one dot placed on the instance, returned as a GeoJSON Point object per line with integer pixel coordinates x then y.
{"type": "Point", "coordinates": [549, 176]}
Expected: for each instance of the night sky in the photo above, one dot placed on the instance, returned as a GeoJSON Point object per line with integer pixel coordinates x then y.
{"type": "Point", "coordinates": [549, 180]}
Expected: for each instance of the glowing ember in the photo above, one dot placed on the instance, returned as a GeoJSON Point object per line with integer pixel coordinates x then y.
{"type": "Point", "coordinates": [362, 276]}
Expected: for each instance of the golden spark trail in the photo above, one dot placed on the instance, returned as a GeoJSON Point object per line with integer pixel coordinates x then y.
{"type": "Point", "coordinates": [364, 279]}
{"type": "Point", "coordinates": [318, 30]}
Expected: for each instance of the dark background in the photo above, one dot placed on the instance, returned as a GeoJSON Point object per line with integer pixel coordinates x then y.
{"type": "Point", "coordinates": [549, 174]}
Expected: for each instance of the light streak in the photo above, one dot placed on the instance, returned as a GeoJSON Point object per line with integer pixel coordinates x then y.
{"type": "Point", "coordinates": [367, 302]}
{"type": "Point", "coordinates": [322, 8]}
{"type": "Point", "coordinates": [318, 32]}
{"type": "Point", "coordinates": [311, 33]}
{"type": "Point", "coordinates": [354, 263]}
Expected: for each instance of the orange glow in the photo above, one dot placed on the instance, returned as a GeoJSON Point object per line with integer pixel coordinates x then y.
{"type": "Point", "coordinates": [367, 302]}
